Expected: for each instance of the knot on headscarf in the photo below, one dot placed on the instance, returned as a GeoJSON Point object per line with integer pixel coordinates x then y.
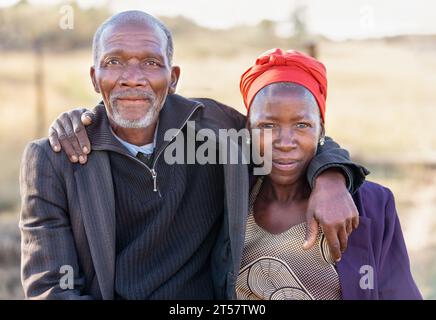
{"type": "Point", "coordinates": [277, 65]}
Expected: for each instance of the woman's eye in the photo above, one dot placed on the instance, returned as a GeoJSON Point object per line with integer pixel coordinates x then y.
{"type": "Point", "coordinates": [303, 125]}
{"type": "Point", "coordinates": [267, 126]}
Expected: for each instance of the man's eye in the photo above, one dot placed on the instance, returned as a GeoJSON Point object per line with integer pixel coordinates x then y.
{"type": "Point", "coordinates": [113, 62]}
{"type": "Point", "coordinates": [152, 63]}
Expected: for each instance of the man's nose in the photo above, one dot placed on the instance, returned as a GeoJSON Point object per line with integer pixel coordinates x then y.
{"type": "Point", "coordinates": [133, 76]}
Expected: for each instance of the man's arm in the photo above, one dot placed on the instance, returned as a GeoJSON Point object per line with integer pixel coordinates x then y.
{"type": "Point", "coordinates": [332, 176]}
{"type": "Point", "coordinates": [68, 132]}
{"type": "Point", "coordinates": [329, 174]}
{"type": "Point", "coordinates": [47, 241]}
{"type": "Point", "coordinates": [331, 155]}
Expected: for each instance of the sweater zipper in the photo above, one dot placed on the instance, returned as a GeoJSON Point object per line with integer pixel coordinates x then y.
{"type": "Point", "coordinates": [154, 175]}
{"type": "Point", "coordinates": [153, 170]}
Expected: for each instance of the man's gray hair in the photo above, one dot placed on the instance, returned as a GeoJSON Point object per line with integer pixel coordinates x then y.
{"type": "Point", "coordinates": [134, 17]}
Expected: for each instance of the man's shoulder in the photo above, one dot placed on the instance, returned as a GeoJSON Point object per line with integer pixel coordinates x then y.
{"type": "Point", "coordinates": [215, 105]}
{"type": "Point", "coordinates": [220, 114]}
{"type": "Point", "coordinates": [208, 102]}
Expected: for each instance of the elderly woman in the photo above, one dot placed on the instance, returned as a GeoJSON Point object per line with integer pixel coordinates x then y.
{"type": "Point", "coordinates": [285, 92]}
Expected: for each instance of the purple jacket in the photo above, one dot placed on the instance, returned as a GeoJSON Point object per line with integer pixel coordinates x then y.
{"type": "Point", "coordinates": [376, 264]}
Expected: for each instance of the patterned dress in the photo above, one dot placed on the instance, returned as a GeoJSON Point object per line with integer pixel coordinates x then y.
{"type": "Point", "coordinates": [275, 266]}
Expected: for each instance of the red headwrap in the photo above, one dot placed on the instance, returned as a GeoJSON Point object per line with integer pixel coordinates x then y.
{"type": "Point", "coordinates": [290, 66]}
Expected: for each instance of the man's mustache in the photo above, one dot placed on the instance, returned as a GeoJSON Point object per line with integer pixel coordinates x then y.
{"type": "Point", "coordinates": [133, 94]}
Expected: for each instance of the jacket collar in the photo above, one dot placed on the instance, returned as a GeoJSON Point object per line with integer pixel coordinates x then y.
{"type": "Point", "coordinates": [98, 214]}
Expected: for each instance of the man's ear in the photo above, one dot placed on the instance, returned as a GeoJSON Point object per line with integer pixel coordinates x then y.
{"type": "Point", "coordinates": [94, 81]}
{"type": "Point", "coordinates": [175, 74]}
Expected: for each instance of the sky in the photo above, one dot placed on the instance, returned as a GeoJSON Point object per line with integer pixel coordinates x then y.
{"type": "Point", "coordinates": [336, 19]}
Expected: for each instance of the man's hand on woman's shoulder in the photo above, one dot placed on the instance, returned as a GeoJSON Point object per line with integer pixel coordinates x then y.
{"type": "Point", "coordinates": [68, 133]}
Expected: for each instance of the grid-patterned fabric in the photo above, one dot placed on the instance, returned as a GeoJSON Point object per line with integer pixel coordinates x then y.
{"type": "Point", "coordinates": [275, 266]}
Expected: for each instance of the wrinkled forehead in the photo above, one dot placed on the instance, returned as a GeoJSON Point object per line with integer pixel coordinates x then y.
{"type": "Point", "coordinates": [284, 89]}
{"type": "Point", "coordinates": [293, 97]}
{"type": "Point", "coordinates": [133, 33]}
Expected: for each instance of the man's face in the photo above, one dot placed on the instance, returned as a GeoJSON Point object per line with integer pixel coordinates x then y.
{"type": "Point", "coordinates": [133, 74]}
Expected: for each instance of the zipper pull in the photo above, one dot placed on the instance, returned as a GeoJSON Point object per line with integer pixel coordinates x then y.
{"type": "Point", "coordinates": [154, 175]}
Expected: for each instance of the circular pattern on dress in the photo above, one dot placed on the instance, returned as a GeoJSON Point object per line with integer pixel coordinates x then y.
{"type": "Point", "coordinates": [269, 278]}
{"type": "Point", "coordinates": [288, 293]}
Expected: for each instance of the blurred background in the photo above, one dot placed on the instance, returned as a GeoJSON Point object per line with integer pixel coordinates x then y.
{"type": "Point", "coordinates": [380, 57]}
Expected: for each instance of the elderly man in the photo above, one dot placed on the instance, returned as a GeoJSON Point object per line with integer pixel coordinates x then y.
{"type": "Point", "coordinates": [128, 225]}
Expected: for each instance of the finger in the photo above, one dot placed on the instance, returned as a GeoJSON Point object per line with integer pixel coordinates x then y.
{"type": "Point", "coordinates": [349, 226]}
{"type": "Point", "coordinates": [355, 221]}
{"type": "Point", "coordinates": [81, 134]}
{"type": "Point", "coordinates": [343, 239]}
{"type": "Point", "coordinates": [86, 118]}
{"type": "Point", "coordinates": [66, 144]}
{"type": "Point", "coordinates": [331, 236]}
{"type": "Point", "coordinates": [311, 233]}
{"type": "Point", "coordinates": [53, 139]}
{"type": "Point", "coordinates": [69, 131]}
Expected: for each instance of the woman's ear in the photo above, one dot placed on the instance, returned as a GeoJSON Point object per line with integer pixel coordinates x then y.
{"type": "Point", "coordinates": [322, 133]}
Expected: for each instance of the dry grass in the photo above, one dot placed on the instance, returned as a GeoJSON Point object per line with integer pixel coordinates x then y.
{"type": "Point", "coordinates": [10, 285]}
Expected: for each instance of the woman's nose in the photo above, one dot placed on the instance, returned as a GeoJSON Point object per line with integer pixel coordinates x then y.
{"type": "Point", "coordinates": [285, 140]}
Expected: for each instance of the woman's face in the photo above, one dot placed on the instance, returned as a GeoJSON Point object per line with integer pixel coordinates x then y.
{"type": "Point", "coordinates": [291, 112]}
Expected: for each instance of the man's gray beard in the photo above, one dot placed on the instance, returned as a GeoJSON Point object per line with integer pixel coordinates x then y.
{"type": "Point", "coordinates": [149, 118]}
